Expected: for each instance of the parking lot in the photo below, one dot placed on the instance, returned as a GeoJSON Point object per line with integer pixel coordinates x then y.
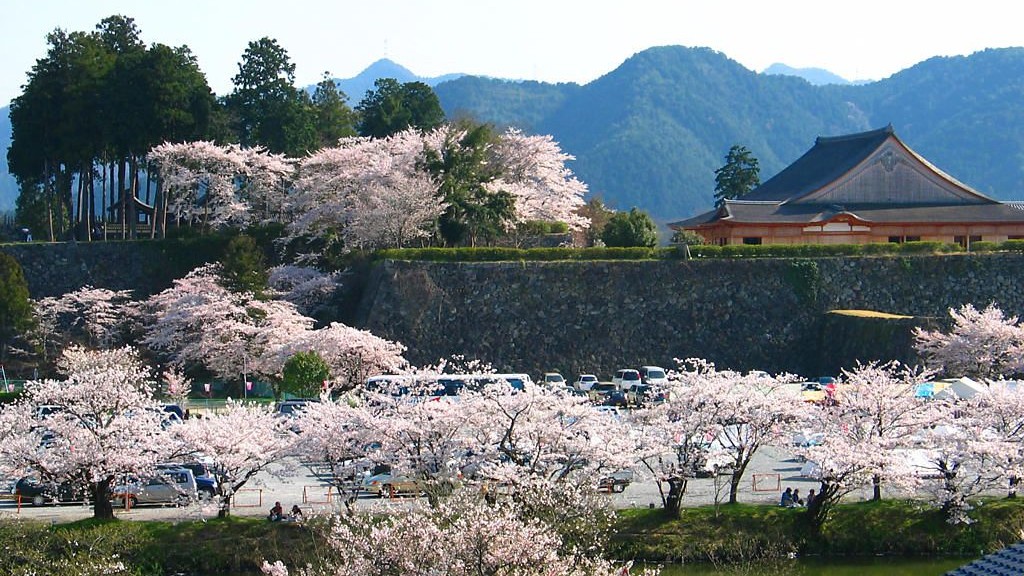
{"type": "Point", "coordinates": [292, 483]}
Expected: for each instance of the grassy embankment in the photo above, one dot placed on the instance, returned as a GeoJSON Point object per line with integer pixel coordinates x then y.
{"type": "Point", "coordinates": [741, 534]}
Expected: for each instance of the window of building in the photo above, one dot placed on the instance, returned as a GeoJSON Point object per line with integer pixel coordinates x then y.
{"type": "Point", "coordinates": [975, 239]}
{"type": "Point", "coordinates": [752, 240]}
{"type": "Point", "coordinates": [961, 240]}
{"type": "Point", "coordinates": [896, 239]}
{"type": "Point", "coordinates": [912, 238]}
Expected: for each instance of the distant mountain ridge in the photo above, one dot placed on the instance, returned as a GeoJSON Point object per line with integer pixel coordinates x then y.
{"type": "Point", "coordinates": [816, 76]}
{"type": "Point", "coordinates": [652, 132]}
{"type": "Point", "coordinates": [357, 86]}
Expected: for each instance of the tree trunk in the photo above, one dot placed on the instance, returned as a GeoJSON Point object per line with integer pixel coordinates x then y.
{"type": "Point", "coordinates": [101, 506]}
{"type": "Point", "coordinates": [674, 500]}
{"type": "Point", "coordinates": [121, 196]}
{"type": "Point", "coordinates": [876, 488]}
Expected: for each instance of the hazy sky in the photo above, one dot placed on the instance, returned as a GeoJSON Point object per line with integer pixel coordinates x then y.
{"type": "Point", "coordinates": [546, 40]}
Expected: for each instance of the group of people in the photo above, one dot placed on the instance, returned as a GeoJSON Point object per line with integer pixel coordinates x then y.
{"type": "Point", "coordinates": [791, 498]}
{"type": "Point", "coordinates": [277, 514]}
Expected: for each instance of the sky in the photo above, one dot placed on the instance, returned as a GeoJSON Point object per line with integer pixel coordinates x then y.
{"type": "Point", "coordinates": [544, 40]}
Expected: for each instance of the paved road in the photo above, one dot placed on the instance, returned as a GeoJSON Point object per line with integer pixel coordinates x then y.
{"type": "Point", "coordinates": [292, 483]}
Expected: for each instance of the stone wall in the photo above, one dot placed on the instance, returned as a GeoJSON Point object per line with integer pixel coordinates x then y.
{"type": "Point", "coordinates": [574, 317]}
{"type": "Point", "coordinates": [145, 267]}
{"type": "Point", "coordinates": [599, 316]}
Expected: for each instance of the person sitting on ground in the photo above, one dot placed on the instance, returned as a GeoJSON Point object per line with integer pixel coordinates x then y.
{"type": "Point", "coordinates": [276, 513]}
{"type": "Point", "coordinates": [810, 498]}
{"type": "Point", "coordinates": [797, 501]}
{"type": "Point", "coordinates": [296, 514]}
{"type": "Point", "coordinates": [787, 498]}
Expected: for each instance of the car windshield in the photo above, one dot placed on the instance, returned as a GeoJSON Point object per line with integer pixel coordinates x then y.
{"type": "Point", "coordinates": [655, 374]}
{"type": "Point", "coordinates": [631, 376]}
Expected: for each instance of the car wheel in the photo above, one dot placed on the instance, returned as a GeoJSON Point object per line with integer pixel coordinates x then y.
{"type": "Point", "coordinates": [132, 502]}
{"type": "Point", "coordinates": [206, 495]}
{"type": "Point", "coordinates": [38, 500]}
{"type": "Point", "coordinates": [618, 487]}
{"type": "Point", "coordinates": [387, 490]}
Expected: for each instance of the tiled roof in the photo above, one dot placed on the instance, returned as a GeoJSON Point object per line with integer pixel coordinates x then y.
{"type": "Point", "coordinates": [1006, 562]}
{"type": "Point", "coordinates": [829, 159]}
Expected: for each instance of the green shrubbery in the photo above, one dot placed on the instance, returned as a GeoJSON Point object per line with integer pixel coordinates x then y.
{"type": "Point", "coordinates": [491, 254]}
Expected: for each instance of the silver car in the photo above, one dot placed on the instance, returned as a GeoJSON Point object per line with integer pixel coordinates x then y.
{"type": "Point", "coordinates": [169, 486]}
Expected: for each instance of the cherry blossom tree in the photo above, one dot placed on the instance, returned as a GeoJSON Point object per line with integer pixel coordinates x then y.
{"type": "Point", "coordinates": [176, 387]}
{"type": "Point", "coordinates": [464, 536]}
{"type": "Point", "coordinates": [198, 322]}
{"type": "Point", "coordinates": [242, 440]}
{"type": "Point", "coordinates": [674, 440]}
{"type": "Point", "coordinates": [536, 431]}
{"type": "Point", "coordinates": [865, 432]}
{"type": "Point", "coordinates": [264, 184]}
{"type": "Point", "coordinates": [533, 170]}
{"type": "Point", "coordinates": [983, 344]}
{"type": "Point", "coordinates": [964, 458]}
{"type": "Point", "coordinates": [750, 411]}
{"type": "Point", "coordinates": [92, 317]}
{"type": "Point", "coordinates": [88, 430]}
{"type": "Point", "coordinates": [1000, 407]}
{"type": "Point", "coordinates": [198, 182]}
{"type": "Point", "coordinates": [372, 193]}
{"type": "Point", "coordinates": [882, 397]}
{"type": "Point", "coordinates": [304, 286]}
{"type": "Point", "coordinates": [353, 355]}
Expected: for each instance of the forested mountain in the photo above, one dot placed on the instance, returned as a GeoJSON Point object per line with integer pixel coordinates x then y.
{"type": "Point", "coordinates": [652, 132]}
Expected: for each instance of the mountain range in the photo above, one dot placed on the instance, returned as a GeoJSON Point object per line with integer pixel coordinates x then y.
{"type": "Point", "coordinates": [652, 132]}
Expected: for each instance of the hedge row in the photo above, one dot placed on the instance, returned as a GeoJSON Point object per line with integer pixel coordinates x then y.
{"type": "Point", "coordinates": [536, 254]}
{"type": "Point", "coordinates": [679, 252]}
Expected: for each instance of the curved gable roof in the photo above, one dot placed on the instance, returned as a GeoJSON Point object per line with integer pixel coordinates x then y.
{"type": "Point", "coordinates": [830, 158]}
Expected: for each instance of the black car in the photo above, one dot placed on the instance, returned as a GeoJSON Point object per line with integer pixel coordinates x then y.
{"type": "Point", "coordinates": [615, 398]}
{"type": "Point", "coordinates": [38, 493]}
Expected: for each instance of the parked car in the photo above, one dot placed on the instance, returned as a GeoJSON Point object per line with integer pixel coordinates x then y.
{"type": "Point", "coordinates": [169, 486]}
{"type": "Point", "coordinates": [292, 409]}
{"type": "Point", "coordinates": [653, 376]}
{"type": "Point", "coordinates": [598, 393]}
{"type": "Point", "coordinates": [616, 398]}
{"type": "Point", "coordinates": [640, 395]}
{"type": "Point", "coordinates": [625, 378]}
{"type": "Point", "coordinates": [206, 482]}
{"type": "Point", "coordinates": [382, 483]}
{"type": "Point", "coordinates": [554, 380]}
{"type": "Point", "coordinates": [616, 482]}
{"type": "Point", "coordinates": [585, 382]}
{"type": "Point", "coordinates": [31, 489]}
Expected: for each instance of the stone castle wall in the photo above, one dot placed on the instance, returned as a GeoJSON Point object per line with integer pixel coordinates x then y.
{"type": "Point", "coordinates": [596, 317]}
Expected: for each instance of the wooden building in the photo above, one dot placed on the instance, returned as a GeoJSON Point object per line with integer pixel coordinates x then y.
{"type": "Point", "coordinates": [856, 189]}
